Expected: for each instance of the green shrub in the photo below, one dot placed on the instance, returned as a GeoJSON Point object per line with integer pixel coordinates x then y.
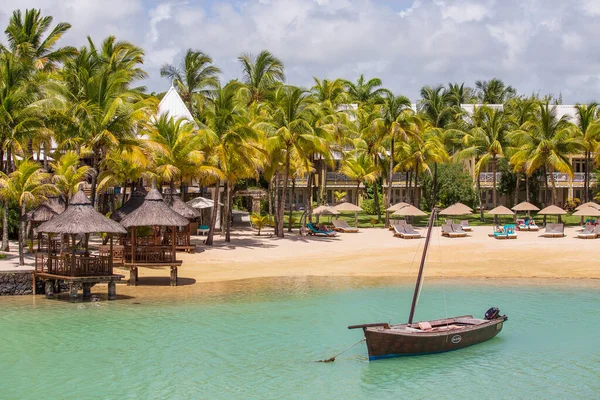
{"type": "Point", "coordinates": [369, 206]}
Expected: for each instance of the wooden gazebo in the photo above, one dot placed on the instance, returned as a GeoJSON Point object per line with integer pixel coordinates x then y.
{"type": "Point", "coordinates": [135, 200]}
{"type": "Point", "coordinates": [42, 213]}
{"type": "Point", "coordinates": [151, 251]}
{"type": "Point", "coordinates": [78, 266]}
{"type": "Point", "coordinates": [188, 212]}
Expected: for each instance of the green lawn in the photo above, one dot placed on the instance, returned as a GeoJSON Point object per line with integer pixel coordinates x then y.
{"type": "Point", "coordinates": [368, 221]}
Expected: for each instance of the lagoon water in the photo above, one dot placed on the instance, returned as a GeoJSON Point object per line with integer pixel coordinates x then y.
{"type": "Point", "coordinates": [260, 343]}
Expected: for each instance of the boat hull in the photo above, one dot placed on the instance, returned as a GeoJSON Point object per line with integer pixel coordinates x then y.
{"type": "Point", "coordinates": [394, 341]}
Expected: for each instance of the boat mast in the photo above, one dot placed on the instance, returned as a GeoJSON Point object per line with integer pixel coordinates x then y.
{"type": "Point", "coordinates": [420, 276]}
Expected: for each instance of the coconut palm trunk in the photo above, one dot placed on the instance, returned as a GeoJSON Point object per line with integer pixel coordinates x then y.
{"type": "Point", "coordinates": [390, 181]}
{"type": "Point", "coordinates": [516, 200]}
{"type": "Point", "coordinates": [357, 189]}
{"type": "Point", "coordinates": [281, 210]}
{"type": "Point", "coordinates": [213, 215]}
{"type": "Point", "coordinates": [5, 245]}
{"type": "Point", "coordinates": [586, 178]}
{"type": "Point", "coordinates": [291, 199]}
{"type": "Point", "coordinates": [526, 187]}
{"type": "Point", "coordinates": [554, 191]}
{"type": "Point", "coordinates": [22, 234]}
{"type": "Point", "coordinates": [494, 183]}
{"type": "Point", "coordinates": [480, 196]}
{"type": "Point", "coordinates": [434, 195]}
{"type": "Point", "coordinates": [308, 199]}
{"type": "Point", "coordinates": [229, 213]}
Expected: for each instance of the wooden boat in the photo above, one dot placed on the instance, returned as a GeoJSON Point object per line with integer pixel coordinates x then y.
{"type": "Point", "coordinates": [426, 337]}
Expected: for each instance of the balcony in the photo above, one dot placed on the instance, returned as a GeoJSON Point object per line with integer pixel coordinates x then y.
{"type": "Point", "coordinates": [335, 178]}
{"type": "Point", "coordinates": [488, 177]}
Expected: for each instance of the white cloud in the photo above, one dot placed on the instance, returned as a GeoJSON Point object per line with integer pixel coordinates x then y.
{"type": "Point", "coordinates": [465, 11]}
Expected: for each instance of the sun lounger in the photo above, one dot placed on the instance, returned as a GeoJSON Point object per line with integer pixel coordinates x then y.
{"type": "Point", "coordinates": [465, 225]}
{"type": "Point", "coordinates": [458, 230]}
{"type": "Point", "coordinates": [449, 221]}
{"type": "Point", "coordinates": [448, 230]}
{"type": "Point", "coordinates": [394, 222]}
{"type": "Point", "coordinates": [554, 230]}
{"type": "Point", "coordinates": [589, 232]}
{"type": "Point", "coordinates": [319, 232]}
{"type": "Point", "coordinates": [341, 225]}
{"type": "Point", "coordinates": [406, 232]}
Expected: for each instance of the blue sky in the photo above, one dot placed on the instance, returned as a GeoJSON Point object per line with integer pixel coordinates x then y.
{"type": "Point", "coordinates": [546, 46]}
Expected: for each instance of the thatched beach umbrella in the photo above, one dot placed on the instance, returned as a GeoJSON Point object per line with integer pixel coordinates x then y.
{"type": "Point", "coordinates": [409, 211]}
{"type": "Point", "coordinates": [588, 204]}
{"type": "Point", "coordinates": [349, 207]}
{"type": "Point", "coordinates": [397, 206]}
{"type": "Point", "coordinates": [456, 209]}
{"type": "Point", "coordinates": [185, 210]}
{"type": "Point", "coordinates": [325, 210]}
{"type": "Point", "coordinates": [500, 210]}
{"type": "Point", "coordinates": [136, 200]}
{"type": "Point", "coordinates": [525, 206]}
{"type": "Point", "coordinates": [41, 213]}
{"type": "Point", "coordinates": [553, 210]}
{"type": "Point", "coordinates": [587, 212]}
{"type": "Point", "coordinates": [201, 203]}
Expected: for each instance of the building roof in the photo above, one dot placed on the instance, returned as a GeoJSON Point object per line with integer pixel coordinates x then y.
{"type": "Point", "coordinates": [153, 212]}
{"type": "Point", "coordinates": [173, 105]}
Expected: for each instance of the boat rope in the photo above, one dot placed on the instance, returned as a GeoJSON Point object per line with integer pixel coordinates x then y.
{"type": "Point", "coordinates": [332, 359]}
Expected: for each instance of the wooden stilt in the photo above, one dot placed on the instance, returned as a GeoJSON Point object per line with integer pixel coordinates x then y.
{"type": "Point", "coordinates": [56, 284]}
{"type": "Point", "coordinates": [72, 291]}
{"type": "Point", "coordinates": [173, 276]}
{"type": "Point", "coordinates": [133, 276]}
{"type": "Point", "coordinates": [87, 290]}
{"type": "Point", "coordinates": [112, 290]}
{"type": "Point", "coordinates": [49, 289]}
{"type": "Point", "coordinates": [33, 283]}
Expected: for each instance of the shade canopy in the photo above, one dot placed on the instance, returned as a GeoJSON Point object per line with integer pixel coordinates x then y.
{"type": "Point", "coordinates": [347, 207]}
{"type": "Point", "coordinates": [181, 208]}
{"type": "Point", "coordinates": [525, 206]}
{"type": "Point", "coordinates": [587, 212]}
{"type": "Point", "coordinates": [552, 210]}
{"type": "Point", "coordinates": [500, 210]}
{"type": "Point", "coordinates": [41, 213]}
{"type": "Point", "coordinates": [325, 210]}
{"type": "Point", "coordinates": [135, 200]}
{"type": "Point", "coordinates": [201, 202]}
{"type": "Point", "coordinates": [588, 204]}
{"type": "Point", "coordinates": [409, 211]}
{"type": "Point", "coordinates": [397, 206]}
{"type": "Point", "coordinates": [153, 212]}
{"type": "Point", "coordinates": [80, 217]}
{"type": "Point", "coordinates": [456, 209]}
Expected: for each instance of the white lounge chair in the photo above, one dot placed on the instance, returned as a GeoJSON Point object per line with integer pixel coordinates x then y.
{"type": "Point", "coordinates": [341, 225]}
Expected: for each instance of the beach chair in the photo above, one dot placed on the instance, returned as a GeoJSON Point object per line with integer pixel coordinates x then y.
{"type": "Point", "coordinates": [532, 226]}
{"type": "Point", "coordinates": [589, 232]}
{"type": "Point", "coordinates": [465, 225]}
{"type": "Point", "coordinates": [312, 230]}
{"type": "Point", "coordinates": [394, 222]}
{"type": "Point", "coordinates": [458, 230]}
{"type": "Point", "coordinates": [449, 221]}
{"type": "Point", "coordinates": [510, 231]}
{"type": "Point", "coordinates": [447, 230]}
{"type": "Point", "coordinates": [554, 230]}
{"type": "Point", "coordinates": [410, 232]}
{"type": "Point", "coordinates": [500, 233]}
{"type": "Point", "coordinates": [341, 225]}
{"type": "Point", "coordinates": [202, 229]}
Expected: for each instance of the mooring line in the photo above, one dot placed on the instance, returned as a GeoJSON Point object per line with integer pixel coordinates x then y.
{"type": "Point", "coordinates": [332, 359]}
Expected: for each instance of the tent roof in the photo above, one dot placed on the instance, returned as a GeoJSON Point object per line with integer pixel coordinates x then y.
{"type": "Point", "coordinates": [552, 210]}
{"type": "Point", "coordinates": [500, 210]}
{"type": "Point", "coordinates": [80, 217]}
{"type": "Point", "coordinates": [347, 207]}
{"type": "Point", "coordinates": [173, 105]}
{"type": "Point", "coordinates": [153, 212]}
{"type": "Point", "coordinates": [409, 210]}
{"type": "Point", "coordinates": [525, 206]}
{"type": "Point", "coordinates": [456, 209]}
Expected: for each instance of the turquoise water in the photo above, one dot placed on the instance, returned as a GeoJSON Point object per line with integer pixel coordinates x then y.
{"type": "Point", "coordinates": [261, 345]}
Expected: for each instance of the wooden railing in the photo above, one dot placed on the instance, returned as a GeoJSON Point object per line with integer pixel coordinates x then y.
{"type": "Point", "coordinates": [183, 239]}
{"type": "Point", "coordinates": [150, 254]}
{"type": "Point", "coordinates": [83, 266]}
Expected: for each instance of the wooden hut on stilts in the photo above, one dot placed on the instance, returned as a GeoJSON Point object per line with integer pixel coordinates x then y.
{"type": "Point", "coordinates": [188, 212]}
{"type": "Point", "coordinates": [141, 252]}
{"type": "Point", "coordinates": [78, 267]}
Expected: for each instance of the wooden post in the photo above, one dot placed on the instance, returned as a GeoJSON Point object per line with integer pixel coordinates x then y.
{"type": "Point", "coordinates": [133, 272]}
{"type": "Point", "coordinates": [173, 276]}
{"type": "Point", "coordinates": [87, 290]}
{"type": "Point", "coordinates": [49, 289]}
{"type": "Point", "coordinates": [174, 235]}
{"type": "Point", "coordinates": [72, 291]}
{"type": "Point", "coordinates": [110, 255]}
{"type": "Point", "coordinates": [49, 261]}
{"type": "Point", "coordinates": [112, 290]}
{"type": "Point", "coordinates": [73, 237]}
{"type": "Point", "coordinates": [33, 283]}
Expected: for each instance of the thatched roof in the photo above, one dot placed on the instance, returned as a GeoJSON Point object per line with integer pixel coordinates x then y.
{"type": "Point", "coordinates": [347, 207]}
{"type": "Point", "coordinates": [201, 202]}
{"type": "Point", "coordinates": [500, 210]}
{"type": "Point", "coordinates": [397, 206]}
{"type": "Point", "coordinates": [136, 200]}
{"type": "Point", "coordinates": [181, 208]}
{"type": "Point", "coordinates": [525, 206]}
{"type": "Point", "coordinates": [588, 204]}
{"type": "Point", "coordinates": [80, 217]}
{"type": "Point", "coordinates": [587, 212]}
{"type": "Point", "coordinates": [409, 210]}
{"type": "Point", "coordinates": [41, 213]}
{"type": "Point", "coordinates": [552, 210]}
{"type": "Point", "coordinates": [153, 212]}
{"type": "Point", "coordinates": [325, 210]}
{"type": "Point", "coordinates": [456, 209]}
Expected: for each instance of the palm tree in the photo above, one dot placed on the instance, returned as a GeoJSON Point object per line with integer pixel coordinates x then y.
{"type": "Point", "coordinates": [122, 167]}
{"type": "Point", "coordinates": [361, 168]}
{"type": "Point", "coordinates": [196, 75]}
{"type": "Point", "coordinates": [291, 134]}
{"type": "Point", "coordinates": [546, 142]}
{"type": "Point", "coordinates": [68, 175]}
{"type": "Point", "coordinates": [261, 73]}
{"type": "Point", "coordinates": [487, 140]}
{"type": "Point", "coordinates": [588, 130]}
{"type": "Point", "coordinates": [27, 185]}
{"type": "Point", "coordinates": [232, 143]}
{"type": "Point", "coordinates": [330, 94]}
{"type": "Point", "coordinates": [363, 92]}
{"type": "Point", "coordinates": [394, 122]}
{"type": "Point", "coordinates": [457, 94]}
{"type": "Point", "coordinates": [494, 91]}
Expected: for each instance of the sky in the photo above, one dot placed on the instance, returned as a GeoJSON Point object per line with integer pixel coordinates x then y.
{"type": "Point", "coordinates": [542, 46]}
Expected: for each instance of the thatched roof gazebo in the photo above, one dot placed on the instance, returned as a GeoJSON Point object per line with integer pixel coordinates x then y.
{"type": "Point", "coordinates": [186, 211]}
{"type": "Point", "coordinates": [135, 200]}
{"type": "Point", "coordinates": [153, 212]}
{"type": "Point", "coordinates": [80, 218]}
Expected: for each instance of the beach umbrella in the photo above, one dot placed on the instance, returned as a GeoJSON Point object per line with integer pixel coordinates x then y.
{"type": "Point", "coordinates": [202, 202]}
{"type": "Point", "coordinates": [350, 208]}
{"type": "Point", "coordinates": [525, 206]}
{"type": "Point", "coordinates": [456, 209]}
{"type": "Point", "coordinates": [588, 204]}
{"type": "Point", "coordinates": [587, 212]}
{"type": "Point", "coordinates": [552, 210]}
{"type": "Point", "coordinates": [325, 210]}
{"type": "Point", "coordinates": [500, 210]}
{"type": "Point", "coordinates": [409, 211]}
{"type": "Point", "coordinates": [397, 206]}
